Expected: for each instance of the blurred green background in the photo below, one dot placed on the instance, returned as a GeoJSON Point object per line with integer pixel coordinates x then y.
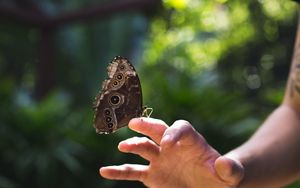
{"type": "Point", "coordinates": [222, 65]}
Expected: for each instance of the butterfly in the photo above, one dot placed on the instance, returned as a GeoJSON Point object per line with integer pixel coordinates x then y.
{"type": "Point", "coordinates": [120, 98]}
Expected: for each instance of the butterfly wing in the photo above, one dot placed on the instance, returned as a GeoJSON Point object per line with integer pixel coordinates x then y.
{"type": "Point", "coordinates": [120, 98]}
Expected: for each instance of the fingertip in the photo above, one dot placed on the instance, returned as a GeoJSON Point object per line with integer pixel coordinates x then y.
{"type": "Point", "coordinates": [121, 146]}
{"type": "Point", "coordinates": [138, 124]}
{"type": "Point", "coordinates": [100, 170]}
{"type": "Point", "coordinates": [123, 172]}
{"type": "Point", "coordinates": [153, 128]}
{"type": "Point", "coordinates": [229, 170]}
{"type": "Point", "coordinates": [126, 145]}
{"type": "Point", "coordinates": [223, 167]}
{"type": "Point", "coordinates": [145, 121]}
{"type": "Point", "coordinates": [103, 171]}
{"type": "Point", "coordinates": [134, 121]}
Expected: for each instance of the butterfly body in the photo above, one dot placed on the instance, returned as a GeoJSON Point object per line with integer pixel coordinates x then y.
{"type": "Point", "coordinates": [120, 98]}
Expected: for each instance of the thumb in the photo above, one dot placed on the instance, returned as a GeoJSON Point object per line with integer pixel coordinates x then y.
{"type": "Point", "coordinates": [229, 170]}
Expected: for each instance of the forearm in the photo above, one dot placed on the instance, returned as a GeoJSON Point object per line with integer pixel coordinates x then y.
{"type": "Point", "coordinates": [271, 157]}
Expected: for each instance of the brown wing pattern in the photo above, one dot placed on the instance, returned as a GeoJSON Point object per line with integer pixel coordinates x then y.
{"type": "Point", "coordinates": [120, 98]}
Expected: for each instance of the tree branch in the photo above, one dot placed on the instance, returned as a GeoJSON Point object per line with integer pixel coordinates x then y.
{"type": "Point", "coordinates": [21, 15]}
{"type": "Point", "coordinates": [98, 11]}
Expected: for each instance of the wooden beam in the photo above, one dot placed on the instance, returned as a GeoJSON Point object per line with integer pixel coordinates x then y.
{"type": "Point", "coordinates": [95, 11]}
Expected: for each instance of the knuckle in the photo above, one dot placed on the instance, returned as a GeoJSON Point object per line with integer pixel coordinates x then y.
{"type": "Point", "coordinates": [184, 124]}
{"type": "Point", "coordinates": [127, 167]}
{"type": "Point", "coordinates": [134, 138]}
{"type": "Point", "coordinates": [144, 140]}
{"type": "Point", "coordinates": [187, 129]}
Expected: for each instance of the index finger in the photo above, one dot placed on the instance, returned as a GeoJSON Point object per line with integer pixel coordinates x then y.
{"type": "Point", "coordinates": [154, 128]}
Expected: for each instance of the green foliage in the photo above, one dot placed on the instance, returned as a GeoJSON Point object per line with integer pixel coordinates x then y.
{"type": "Point", "coordinates": [201, 56]}
{"type": "Point", "coordinates": [219, 64]}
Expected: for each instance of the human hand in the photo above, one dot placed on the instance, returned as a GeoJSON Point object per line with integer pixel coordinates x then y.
{"type": "Point", "coordinates": [179, 157]}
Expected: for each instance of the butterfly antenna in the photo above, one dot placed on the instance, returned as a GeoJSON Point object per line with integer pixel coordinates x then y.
{"type": "Point", "coordinates": [147, 112]}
